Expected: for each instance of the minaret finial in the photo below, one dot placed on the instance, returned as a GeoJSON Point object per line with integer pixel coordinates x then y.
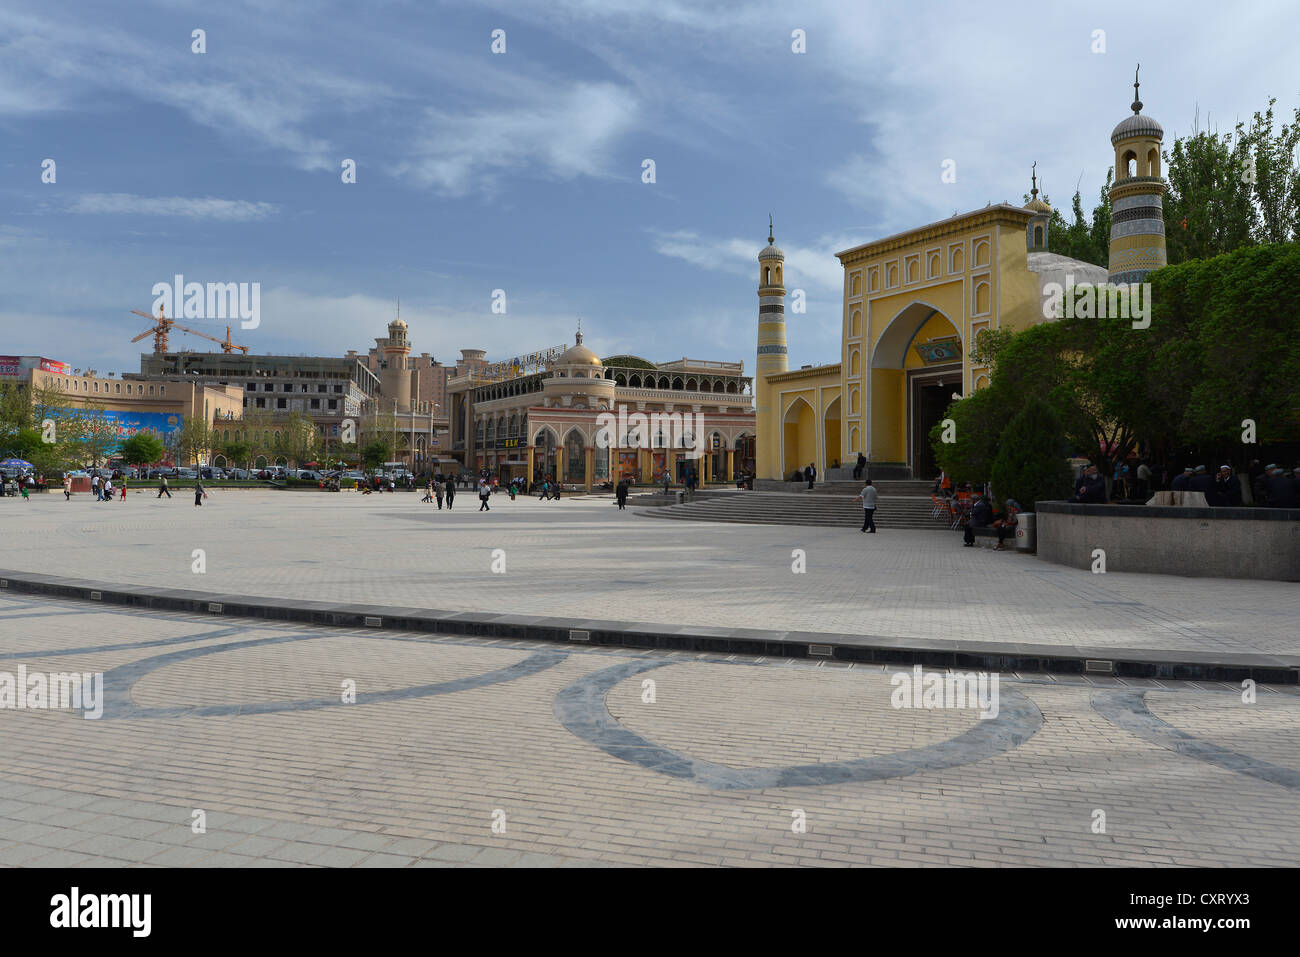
{"type": "Point", "coordinates": [1034, 191]}
{"type": "Point", "coordinates": [771, 236]}
{"type": "Point", "coordinates": [578, 338]}
{"type": "Point", "coordinates": [1137, 102]}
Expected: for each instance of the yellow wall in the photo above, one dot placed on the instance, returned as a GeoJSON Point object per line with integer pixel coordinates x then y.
{"type": "Point", "coordinates": [888, 411]}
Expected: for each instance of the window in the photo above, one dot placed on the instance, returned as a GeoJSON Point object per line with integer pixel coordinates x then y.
{"type": "Point", "coordinates": [261, 403]}
{"type": "Point", "coordinates": [151, 390]}
{"type": "Point", "coordinates": [281, 403]}
{"type": "Point", "coordinates": [338, 388]}
{"type": "Point", "coordinates": [334, 403]}
{"type": "Point", "coordinates": [315, 403]}
{"type": "Point", "coordinates": [117, 388]}
{"type": "Point", "coordinates": [267, 387]}
{"type": "Point", "coordinates": [321, 388]}
{"type": "Point", "coordinates": [252, 387]}
{"type": "Point", "coordinates": [287, 387]}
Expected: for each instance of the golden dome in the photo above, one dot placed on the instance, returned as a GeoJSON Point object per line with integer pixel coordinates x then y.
{"type": "Point", "coordinates": [579, 355]}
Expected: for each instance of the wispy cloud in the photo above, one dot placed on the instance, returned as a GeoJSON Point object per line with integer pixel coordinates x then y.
{"type": "Point", "coordinates": [563, 135]}
{"type": "Point", "coordinates": [815, 266]}
{"type": "Point", "coordinates": [222, 210]}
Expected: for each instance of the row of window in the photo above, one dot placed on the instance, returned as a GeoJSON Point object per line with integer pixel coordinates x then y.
{"type": "Point", "coordinates": [260, 403]}
{"type": "Point", "coordinates": [288, 387]}
{"type": "Point", "coordinates": [911, 267]}
{"type": "Point", "coordinates": [117, 387]}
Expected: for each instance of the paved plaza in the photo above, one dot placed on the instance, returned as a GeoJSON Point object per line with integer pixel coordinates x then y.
{"type": "Point", "coordinates": [462, 751]}
{"type": "Point", "coordinates": [583, 558]}
{"type": "Point", "coordinates": [578, 761]}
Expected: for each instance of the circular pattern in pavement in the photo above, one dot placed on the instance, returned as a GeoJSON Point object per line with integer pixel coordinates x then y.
{"type": "Point", "coordinates": [581, 708]}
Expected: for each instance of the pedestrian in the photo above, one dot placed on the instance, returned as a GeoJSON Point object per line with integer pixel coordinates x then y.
{"type": "Point", "coordinates": [484, 493]}
{"type": "Point", "coordinates": [861, 465]}
{"type": "Point", "coordinates": [1227, 488]}
{"type": "Point", "coordinates": [512, 489]}
{"type": "Point", "coordinates": [428, 491]}
{"type": "Point", "coordinates": [620, 494]}
{"type": "Point", "coordinates": [94, 486]}
{"type": "Point", "coordinates": [667, 483]}
{"type": "Point", "coordinates": [437, 494]}
{"type": "Point", "coordinates": [198, 492]}
{"type": "Point", "coordinates": [162, 487]}
{"type": "Point", "coordinates": [105, 490]}
{"type": "Point", "coordinates": [1006, 525]}
{"type": "Point", "coordinates": [868, 499]}
{"type": "Point", "coordinates": [1144, 480]}
{"type": "Point", "coordinates": [123, 489]}
{"type": "Point", "coordinates": [810, 473]}
{"type": "Point", "coordinates": [67, 487]}
{"type": "Point", "coordinates": [1203, 482]}
{"type": "Point", "coordinates": [451, 492]}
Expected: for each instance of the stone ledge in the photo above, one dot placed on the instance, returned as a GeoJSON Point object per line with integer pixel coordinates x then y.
{"type": "Point", "coordinates": [971, 655]}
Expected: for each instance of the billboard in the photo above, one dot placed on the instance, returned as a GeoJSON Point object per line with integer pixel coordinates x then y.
{"type": "Point", "coordinates": [13, 367]}
{"type": "Point", "coordinates": [127, 424]}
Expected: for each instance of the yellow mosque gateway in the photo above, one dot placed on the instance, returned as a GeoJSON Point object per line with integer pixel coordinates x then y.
{"type": "Point", "coordinates": [914, 304]}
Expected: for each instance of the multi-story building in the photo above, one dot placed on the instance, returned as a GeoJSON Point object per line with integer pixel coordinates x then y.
{"type": "Point", "coordinates": [577, 419]}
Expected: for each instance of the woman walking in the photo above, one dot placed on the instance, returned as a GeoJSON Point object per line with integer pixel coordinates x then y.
{"type": "Point", "coordinates": [198, 492]}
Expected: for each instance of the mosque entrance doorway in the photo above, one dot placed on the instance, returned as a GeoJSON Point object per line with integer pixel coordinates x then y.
{"type": "Point", "coordinates": [930, 395]}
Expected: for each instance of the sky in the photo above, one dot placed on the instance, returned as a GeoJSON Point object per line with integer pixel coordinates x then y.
{"type": "Point", "coordinates": [525, 170]}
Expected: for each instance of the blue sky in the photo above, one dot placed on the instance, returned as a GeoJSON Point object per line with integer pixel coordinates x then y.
{"type": "Point", "coordinates": [522, 171]}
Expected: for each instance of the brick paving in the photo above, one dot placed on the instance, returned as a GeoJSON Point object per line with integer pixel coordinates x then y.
{"type": "Point", "coordinates": [581, 557]}
{"type": "Point", "coordinates": [420, 780]}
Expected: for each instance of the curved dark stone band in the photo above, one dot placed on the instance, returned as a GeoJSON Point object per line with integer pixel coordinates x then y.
{"type": "Point", "coordinates": [119, 681]}
{"type": "Point", "coordinates": [581, 708]}
{"type": "Point", "coordinates": [122, 646]}
{"type": "Point", "coordinates": [1128, 710]}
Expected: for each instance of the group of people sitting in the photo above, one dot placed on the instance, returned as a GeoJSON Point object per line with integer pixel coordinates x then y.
{"type": "Point", "coordinates": [983, 516]}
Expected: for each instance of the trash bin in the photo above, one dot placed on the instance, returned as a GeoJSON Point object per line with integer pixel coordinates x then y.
{"type": "Point", "coordinates": [1026, 533]}
{"type": "Point", "coordinates": [681, 497]}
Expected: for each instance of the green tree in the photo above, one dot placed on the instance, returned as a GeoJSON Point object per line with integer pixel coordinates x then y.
{"type": "Point", "coordinates": [1031, 466]}
{"type": "Point", "coordinates": [194, 439]}
{"type": "Point", "coordinates": [1276, 175]}
{"type": "Point", "coordinates": [141, 449]}
{"type": "Point", "coordinates": [978, 422]}
{"type": "Point", "coordinates": [375, 453]}
{"type": "Point", "coordinates": [1209, 208]}
{"type": "Point", "coordinates": [237, 452]}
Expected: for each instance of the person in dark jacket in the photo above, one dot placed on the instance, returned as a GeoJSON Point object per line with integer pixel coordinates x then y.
{"type": "Point", "coordinates": [1227, 488]}
{"type": "Point", "coordinates": [1179, 484]}
{"type": "Point", "coordinates": [980, 516]}
{"type": "Point", "coordinates": [860, 467]}
{"type": "Point", "coordinates": [620, 493]}
{"type": "Point", "coordinates": [1281, 489]}
{"type": "Point", "coordinates": [1202, 481]}
{"type": "Point", "coordinates": [810, 473]}
{"type": "Point", "coordinates": [1091, 487]}
{"type": "Point", "coordinates": [1260, 486]}
{"type": "Point", "coordinates": [451, 492]}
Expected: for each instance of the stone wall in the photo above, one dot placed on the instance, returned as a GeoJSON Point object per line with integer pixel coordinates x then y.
{"type": "Point", "coordinates": [1261, 543]}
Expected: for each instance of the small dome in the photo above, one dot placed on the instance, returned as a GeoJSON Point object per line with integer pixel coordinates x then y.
{"type": "Point", "coordinates": [1038, 206]}
{"type": "Point", "coordinates": [771, 251]}
{"type": "Point", "coordinates": [1137, 125]}
{"type": "Point", "coordinates": [579, 355]}
{"type": "Point", "coordinates": [397, 324]}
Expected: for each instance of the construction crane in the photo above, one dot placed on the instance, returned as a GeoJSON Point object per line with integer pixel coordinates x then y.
{"type": "Point", "coordinates": [163, 325]}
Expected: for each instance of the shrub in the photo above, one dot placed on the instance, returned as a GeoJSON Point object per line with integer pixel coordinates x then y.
{"type": "Point", "coordinates": [1031, 465]}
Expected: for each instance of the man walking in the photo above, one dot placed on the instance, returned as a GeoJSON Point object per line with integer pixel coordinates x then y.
{"type": "Point", "coordinates": [620, 493]}
{"type": "Point", "coordinates": [198, 492]}
{"type": "Point", "coordinates": [94, 486]}
{"type": "Point", "coordinates": [810, 473]}
{"type": "Point", "coordinates": [484, 493]}
{"type": "Point", "coordinates": [868, 499]}
{"type": "Point", "coordinates": [437, 493]}
{"type": "Point", "coordinates": [162, 487]}
{"type": "Point", "coordinates": [451, 491]}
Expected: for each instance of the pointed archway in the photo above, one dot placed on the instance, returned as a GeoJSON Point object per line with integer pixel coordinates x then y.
{"type": "Point", "coordinates": [799, 439]}
{"type": "Point", "coordinates": [831, 434]}
{"type": "Point", "coordinates": [915, 364]}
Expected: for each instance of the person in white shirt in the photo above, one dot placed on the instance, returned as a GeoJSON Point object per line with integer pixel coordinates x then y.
{"type": "Point", "coordinates": [868, 499]}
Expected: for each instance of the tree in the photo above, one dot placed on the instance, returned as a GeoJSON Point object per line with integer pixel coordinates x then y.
{"type": "Point", "coordinates": [194, 439]}
{"type": "Point", "coordinates": [375, 453]}
{"type": "Point", "coordinates": [141, 449]}
{"type": "Point", "coordinates": [1276, 175]}
{"type": "Point", "coordinates": [1031, 462]}
{"type": "Point", "coordinates": [298, 440]}
{"type": "Point", "coordinates": [91, 433]}
{"type": "Point", "coordinates": [237, 452]}
{"type": "Point", "coordinates": [1209, 209]}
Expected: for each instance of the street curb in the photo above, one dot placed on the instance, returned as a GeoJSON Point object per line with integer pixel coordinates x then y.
{"type": "Point", "coordinates": [976, 655]}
